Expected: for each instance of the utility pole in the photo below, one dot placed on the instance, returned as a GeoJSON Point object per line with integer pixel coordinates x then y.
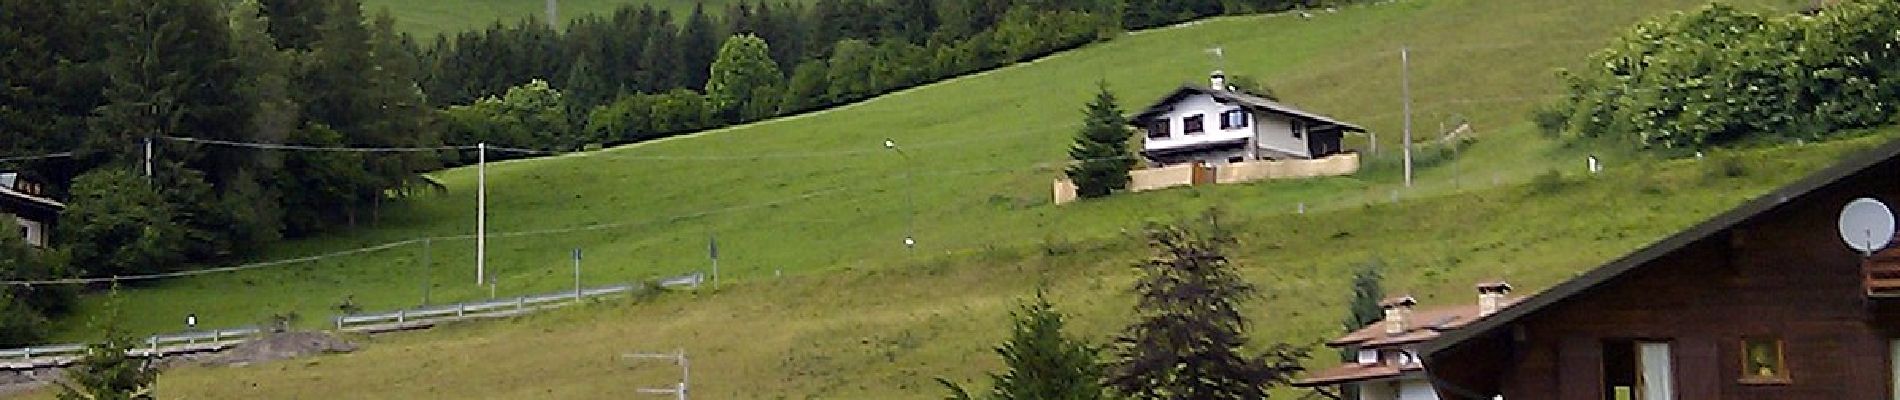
{"type": "Point", "coordinates": [426, 268]}
{"type": "Point", "coordinates": [481, 213]}
{"type": "Point", "coordinates": [148, 159]}
{"type": "Point", "coordinates": [577, 274]}
{"type": "Point", "coordinates": [1405, 79]}
{"type": "Point", "coordinates": [553, 16]}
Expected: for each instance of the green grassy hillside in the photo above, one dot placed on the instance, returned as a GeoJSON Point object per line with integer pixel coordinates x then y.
{"type": "Point", "coordinates": [886, 333]}
{"type": "Point", "coordinates": [819, 193]}
{"type": "Point", "coordinates": [426, 18]}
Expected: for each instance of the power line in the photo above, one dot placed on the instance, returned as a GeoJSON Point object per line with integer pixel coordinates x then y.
{"type": "Point", "coordinates": [800, 155]}
{"type": "Point", "coordinates": [296, 147]}
{"type": "Point", "coordinates": [400, 243]}
{"type": "Point", "coordinates": [31, 158]}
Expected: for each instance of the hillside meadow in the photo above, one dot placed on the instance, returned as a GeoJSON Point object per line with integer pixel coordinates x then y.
{"type": "Point", "coordinates": [818, 193]}
{"type": "Point", "coordinates": [886, 333]}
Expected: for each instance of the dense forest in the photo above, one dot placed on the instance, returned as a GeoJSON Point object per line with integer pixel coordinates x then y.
{"type": "Point", "coordinates": [194, 132]}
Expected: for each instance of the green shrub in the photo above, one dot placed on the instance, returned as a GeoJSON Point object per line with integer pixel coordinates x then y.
{"type": "Point", "coordinates": [1718, 75]}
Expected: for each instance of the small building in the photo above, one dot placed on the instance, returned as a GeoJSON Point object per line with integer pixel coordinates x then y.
{"type": "Point", "coordinates": [23, 201]}
{"type": "Point", "coordinates": [1764, 301]}
{"type": "Point", "coordinates": [1386, 366]}
{"type": "Point", "coordinates": [1217, 124]}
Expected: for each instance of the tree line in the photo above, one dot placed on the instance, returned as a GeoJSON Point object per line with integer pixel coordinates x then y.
{"type": "Point", "coordinates": [636, 74]}
{"type": "Point", "coordinates": [111, 80]}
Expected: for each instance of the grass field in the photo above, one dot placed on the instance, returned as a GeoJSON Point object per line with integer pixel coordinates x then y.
{"type": "Point", "coordinates": [819, 193]}
{"type": "Point", "coordinates": [857, 316]}
{"type": "Point", "coordinates": [426, 18]}
{"type": "Point", "coordinates": [886, 333]}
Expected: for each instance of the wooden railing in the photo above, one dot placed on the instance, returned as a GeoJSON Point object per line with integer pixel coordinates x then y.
{"type": "Point", "coordinates": [1881, 274]}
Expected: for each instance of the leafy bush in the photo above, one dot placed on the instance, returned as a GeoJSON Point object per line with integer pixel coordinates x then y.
{"type": "Point", "coordinates": [1717, 75]}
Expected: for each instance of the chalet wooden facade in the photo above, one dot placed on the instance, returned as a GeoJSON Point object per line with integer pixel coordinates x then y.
{"type": "Point", "coordinates": [1764, 301]}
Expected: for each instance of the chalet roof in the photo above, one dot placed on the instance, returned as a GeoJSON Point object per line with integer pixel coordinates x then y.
{"type": "Point", "coordinates": [1354, 372]}
{"type": "Point", "coordinates": [10, 196]}
{"type": "Point", "coordinates": [1720, 223]}
{"type": "Point", "coordinates": [1244, 99]}
{"type": "Point", "coordinates": [1426, 324]}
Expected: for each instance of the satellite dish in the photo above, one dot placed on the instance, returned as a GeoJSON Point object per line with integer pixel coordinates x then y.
{"type": "Point", "coordinates": [1866, 225]}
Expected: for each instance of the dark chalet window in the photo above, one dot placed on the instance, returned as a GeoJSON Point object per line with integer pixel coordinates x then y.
{"type": "Point", "coordinates": [1192, 125]}
{"type": "Point", "coordinates": [1158, 129]}
{"type": "Point", "coordinates": [1233, 119]}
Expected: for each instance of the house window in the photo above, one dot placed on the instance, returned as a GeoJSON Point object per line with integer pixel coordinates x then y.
{"type": "Point", "coordinates": [1192, 125]}
{"type": "Point", "coordinates": [1233, 119]}
{"type": "Point", "coordinates": [1762, 361]}
{"type": "Point", "coordinates": [1159, 129]}
{"type": "Point", "coordinates": [1299, 129]}
{"type": "Point", "coordinates": [1638, 370]}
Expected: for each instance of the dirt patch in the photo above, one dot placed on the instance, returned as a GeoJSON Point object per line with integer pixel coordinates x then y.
{"type": "Point", "coordinates": [277, 346]}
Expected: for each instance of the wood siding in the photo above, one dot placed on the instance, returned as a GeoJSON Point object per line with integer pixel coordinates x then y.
{"type": "Point", "coordinates": [1784, 274]}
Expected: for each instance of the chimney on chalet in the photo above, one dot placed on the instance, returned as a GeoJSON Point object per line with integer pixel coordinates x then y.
{"type": "Point", "coordinates": [1217, 80]}
{"type": "Point", "coordinates": [1491, 296]}
{"type": "Point", "coordinates": [1398, 314]}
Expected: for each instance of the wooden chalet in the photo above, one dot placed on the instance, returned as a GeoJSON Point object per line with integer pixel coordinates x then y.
{"type": "Point", "coordinates": [1764, 301]}
{"type": "Point", "coordinates": [32, 213]}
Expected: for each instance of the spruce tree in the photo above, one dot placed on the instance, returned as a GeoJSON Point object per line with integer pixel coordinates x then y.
{"type": "Point", "coordinates": [106, 371]}
{"type": "Point", "coordinates": [1362, 310]}
{"type": "Point", "coordinates": [1186, 343]}
{"type": "Point", "coordinates": [1366, 294]}
{"type": "Point", "coordinates": [1101, 152]}
{"type": "Point", "coordinates": [1042, 362]}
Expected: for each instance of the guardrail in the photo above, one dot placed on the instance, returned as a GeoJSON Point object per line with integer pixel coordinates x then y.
{"type": "Point", "coordinates": [428, 316]}
{"type": "Point", "coordinates": [60, 355]}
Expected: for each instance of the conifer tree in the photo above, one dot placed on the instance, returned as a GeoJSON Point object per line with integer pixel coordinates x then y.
{"type": "Point", "coordinates": [1101, 152]}
{"type": "Point", "coordinates": [106, 371]}
{"type": "Point", "coordinates": [1042, 363]}
{"type": "Point", "coordinates": [1186, 342]}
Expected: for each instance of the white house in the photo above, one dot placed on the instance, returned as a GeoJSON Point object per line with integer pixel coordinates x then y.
{"type": "Point", "coordinates": [21, 201]}
{"type": "Point", "coordinates": [1387, 366]}
{"type": "Point", "coordinates": [1217, 124]}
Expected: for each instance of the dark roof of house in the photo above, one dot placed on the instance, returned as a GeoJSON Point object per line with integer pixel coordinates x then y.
{"type": "Point", "coordinates": [1244, 99]}
{"type": "Point", "coordinates": [1426, 324]}
{"type": "Point", "coordinates": [1720, 223]}
{"type": "Point", "coordinates": [10, 194]}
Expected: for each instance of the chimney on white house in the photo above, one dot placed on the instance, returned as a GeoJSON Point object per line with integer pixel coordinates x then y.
{"type": "Point", "coordinates": [1218, 80]}
{"type": "Point", "coordinates": [1398, 314]}
{"type": "Point", "coordinates": [1491, 296]}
